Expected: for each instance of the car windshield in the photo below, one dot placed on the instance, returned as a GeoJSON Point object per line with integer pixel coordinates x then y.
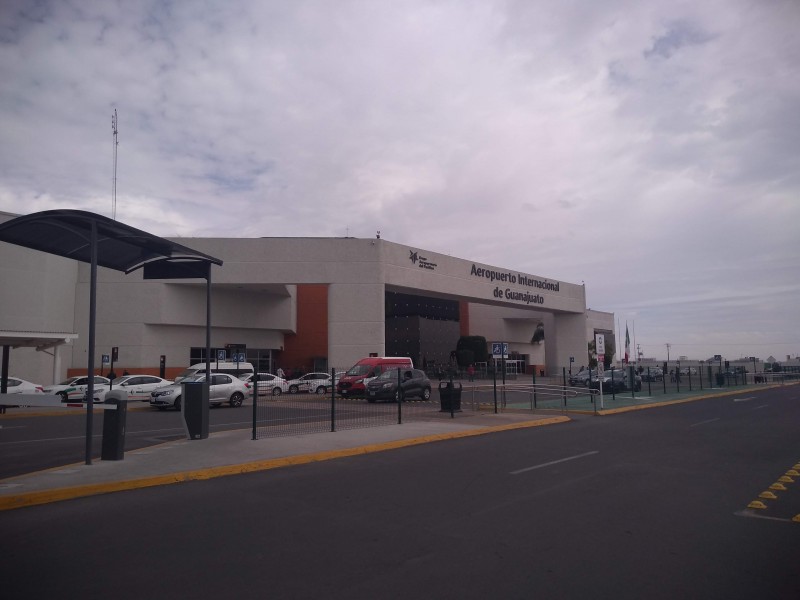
{"type": "Point", "coordinates": [194, 378]}
{"type": "Point", "coordinates": [359, 370]}
{"type": "Point", "coordinates": [67, 381]}
{"type": "Point", "coordinates": [119, 380]}
{"type": "Point", "coordinates": [391, 375]}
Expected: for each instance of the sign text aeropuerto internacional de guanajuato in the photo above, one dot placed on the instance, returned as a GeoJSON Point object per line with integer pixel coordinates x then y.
{"type": "Point", "coordinates": [517, 279]}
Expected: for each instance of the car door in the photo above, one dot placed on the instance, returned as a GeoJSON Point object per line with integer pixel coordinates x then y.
{"type": "Point", "coordinates": [139, 388]}
{"type": "Point", "coordinates": [409, 384]}
{"type": "Point", "coordinates": [78, 388]}
{"type": "Point", "coordinates": [221, 388]}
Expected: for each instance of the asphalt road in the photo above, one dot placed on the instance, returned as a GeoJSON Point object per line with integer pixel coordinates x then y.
{"type": "Point", "coordinates": [649, 504]}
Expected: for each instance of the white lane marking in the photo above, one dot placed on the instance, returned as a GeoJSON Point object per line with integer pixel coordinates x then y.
{"type": "Point", "coordinates": [743, 399]}
{"type": "Point", "coordinates": [762, 406]}
{"type": "Point", "coordinates": [704, 422]}
{"type": "Point", "coordinates": [554, 462]}
{"type": "Point", "coordinates": [754, 515]}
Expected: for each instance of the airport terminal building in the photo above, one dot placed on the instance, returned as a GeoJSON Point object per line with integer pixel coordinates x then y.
{"type": "Point", "coordinates": [308, 304]}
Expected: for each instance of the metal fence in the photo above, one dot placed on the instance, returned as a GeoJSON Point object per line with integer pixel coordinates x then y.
{"type": "Point", "coordinates": [306, 412]}
{"type": "Point", "coordinates": [491, 391]}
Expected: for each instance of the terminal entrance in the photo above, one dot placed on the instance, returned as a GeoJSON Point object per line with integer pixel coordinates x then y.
{"type": "Point", "coordinates": [425, 329]}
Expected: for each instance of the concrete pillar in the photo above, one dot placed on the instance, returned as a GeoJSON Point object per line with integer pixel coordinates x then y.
{"type": "Point", "coordinates": [356, 322]}
{"type": "Point", "coordinates": [568, 339]}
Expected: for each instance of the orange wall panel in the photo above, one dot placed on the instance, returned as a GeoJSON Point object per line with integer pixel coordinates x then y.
{"type": "Point", "coordinates": [311, 339]}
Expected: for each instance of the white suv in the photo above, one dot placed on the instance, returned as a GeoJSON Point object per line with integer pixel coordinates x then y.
{"type": "Point", "coordinates": [223, 388]}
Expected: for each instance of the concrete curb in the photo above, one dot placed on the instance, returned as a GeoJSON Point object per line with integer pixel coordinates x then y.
{"type": "Point", "coordinates": [69, 493]}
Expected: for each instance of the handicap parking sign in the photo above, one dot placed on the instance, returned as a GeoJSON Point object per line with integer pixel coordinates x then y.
{"type": "Point", "coordinates": [220, 354]}
{"type": "Point", "coordinates": [499, 348]}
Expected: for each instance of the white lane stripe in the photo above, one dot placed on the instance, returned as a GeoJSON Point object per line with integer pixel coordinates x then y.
{"type": "Point", "coordinates": [704, 422]}
{"type": "Point", "coordinates": [743, 399]}
{"type": "Point", "coordinates": [762, 406]}
{"type": "Point", "coordinates": [554, 462]}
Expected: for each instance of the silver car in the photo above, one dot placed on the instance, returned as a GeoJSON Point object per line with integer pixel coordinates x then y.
{"type": "Point", "coordinates": [223, 388]}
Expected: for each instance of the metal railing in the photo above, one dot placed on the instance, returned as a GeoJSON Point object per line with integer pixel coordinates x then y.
{"type": "Point", "coordinates": [302, 413]}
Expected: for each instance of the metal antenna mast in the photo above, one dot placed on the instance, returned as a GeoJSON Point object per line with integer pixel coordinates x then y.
{"type": "Point", "coordinates": [114, 180]}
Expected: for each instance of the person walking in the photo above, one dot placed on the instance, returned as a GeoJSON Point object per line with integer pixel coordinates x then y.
{"type": "Point", "coordinates": [471, 372]}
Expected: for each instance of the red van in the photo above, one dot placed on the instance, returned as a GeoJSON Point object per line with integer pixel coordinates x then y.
{"type": "Point", "coordinates": [353, 383]}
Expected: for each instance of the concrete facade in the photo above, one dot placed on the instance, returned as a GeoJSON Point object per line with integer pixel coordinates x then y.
{"type": "Point", "coordinates": [254, 303]}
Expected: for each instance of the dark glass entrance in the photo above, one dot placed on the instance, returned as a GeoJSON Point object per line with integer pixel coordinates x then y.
{"type": "Point", "coordinates": [426, 329]}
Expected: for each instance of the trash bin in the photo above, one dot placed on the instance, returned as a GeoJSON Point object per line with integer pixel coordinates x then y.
{"type": "Point", "coordinates": [450, 396]}
{"type": "Point", "coordinates": [195, 409]}
{"type": "Point", "coordinates": [720, 379]}
{"type": "Point", "coordinates": [113, 445]}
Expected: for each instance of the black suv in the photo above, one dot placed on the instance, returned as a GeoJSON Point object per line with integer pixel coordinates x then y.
{"type": "Point", "coordinates": [413, 383]}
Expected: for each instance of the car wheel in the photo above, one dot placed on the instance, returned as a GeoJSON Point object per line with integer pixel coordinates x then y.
{"type": "Point", "coordinates": [276, 391]}
{"type": "Point", "coordinates": [63, 396]}
{"type": "Point", "coordinates": [177, 403]}
{"type": "Point", "coordinates": [426, 394]}
{"type": "Point", "coordinates": [321, 389]}
{"type": "Point", "coordinates": [236, 400]}
{"type": "Point", "coordinates": [293, 389]}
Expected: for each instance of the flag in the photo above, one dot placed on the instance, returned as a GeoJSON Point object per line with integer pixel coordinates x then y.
{"type": "Point", "coordinates": [627, 345]}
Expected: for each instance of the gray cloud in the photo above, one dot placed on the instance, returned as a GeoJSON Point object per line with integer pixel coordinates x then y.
{"type": "Point", "coordinates": [646, 148]}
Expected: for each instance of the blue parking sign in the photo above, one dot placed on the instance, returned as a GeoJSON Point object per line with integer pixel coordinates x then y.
{"type": "Point", "coordinates": [220, 354]}
{"type": "Point", "coordinates": [499, 348]}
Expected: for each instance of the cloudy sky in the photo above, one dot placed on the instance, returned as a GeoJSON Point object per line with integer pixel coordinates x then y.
{"type": "Point", "coordinates": [649, 149]}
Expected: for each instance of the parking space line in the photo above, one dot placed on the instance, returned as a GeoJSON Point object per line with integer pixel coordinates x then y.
{"type": "Point", "coordinates": [553, 462]}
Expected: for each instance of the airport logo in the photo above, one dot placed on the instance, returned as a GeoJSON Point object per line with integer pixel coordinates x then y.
{"type": "Point", "coordinates": [420, 261]}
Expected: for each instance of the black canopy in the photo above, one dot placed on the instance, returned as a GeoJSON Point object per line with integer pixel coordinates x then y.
{"type": "Point", "coordinates": [120, 247]}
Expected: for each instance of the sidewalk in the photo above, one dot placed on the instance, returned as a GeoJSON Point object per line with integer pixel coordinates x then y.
{"type": "Point", "coordinates": [233, 452]}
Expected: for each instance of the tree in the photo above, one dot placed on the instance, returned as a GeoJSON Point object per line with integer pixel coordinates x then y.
{"type": "Point", "coordinates": [610, 349]}
{"type": "Point", "coordinates": [471, 349]}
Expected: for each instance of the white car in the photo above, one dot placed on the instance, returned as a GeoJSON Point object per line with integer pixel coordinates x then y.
{"type": "Point", "coordinates": [75, 388]}
{"type": "Point", "coordinates": [268, 384]}
{"type": "Point", "coordinates": [223, 388]}
{"type": "Point", "coordinates": [139, 387]}
{"type": "Point", "coordinates": [318, 383]}
{"type": "Point", "coordinates": [20, 386]}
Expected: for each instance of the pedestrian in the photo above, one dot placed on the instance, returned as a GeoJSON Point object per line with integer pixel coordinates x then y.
{"type": "Point", "coordinates": [471, 372]}
{"type": "Point", "coordinates": [111, 375]}
{"type": "Point", "coordinates": [125, 373]}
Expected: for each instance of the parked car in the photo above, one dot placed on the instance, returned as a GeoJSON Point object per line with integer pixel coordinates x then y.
{"type": "Point", "coordinates": [239, 369]}
{"type": "Point", "coordinates": [652, 374]}
{"type": "Point", "coordinates": [267, 383]}
{"type": "Point", "coordinates": [311, 382]}
{"type": "Point", "coordinates": [616, 380]}
{"type": "Point", "coordinates": [353, 383]}
{"type": "Point", "coordinates": [223, 388]}
{"type": "Point", "coordinates": [15, 385]}
{"type": "Point", "coordinates": [413, 383]}
{"type": "Point", "coordinates": [139, 387]}
{"type": "Point", "coordinates": [582, 377]}
{"type": "Point", "coordinates": [75, 388]}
